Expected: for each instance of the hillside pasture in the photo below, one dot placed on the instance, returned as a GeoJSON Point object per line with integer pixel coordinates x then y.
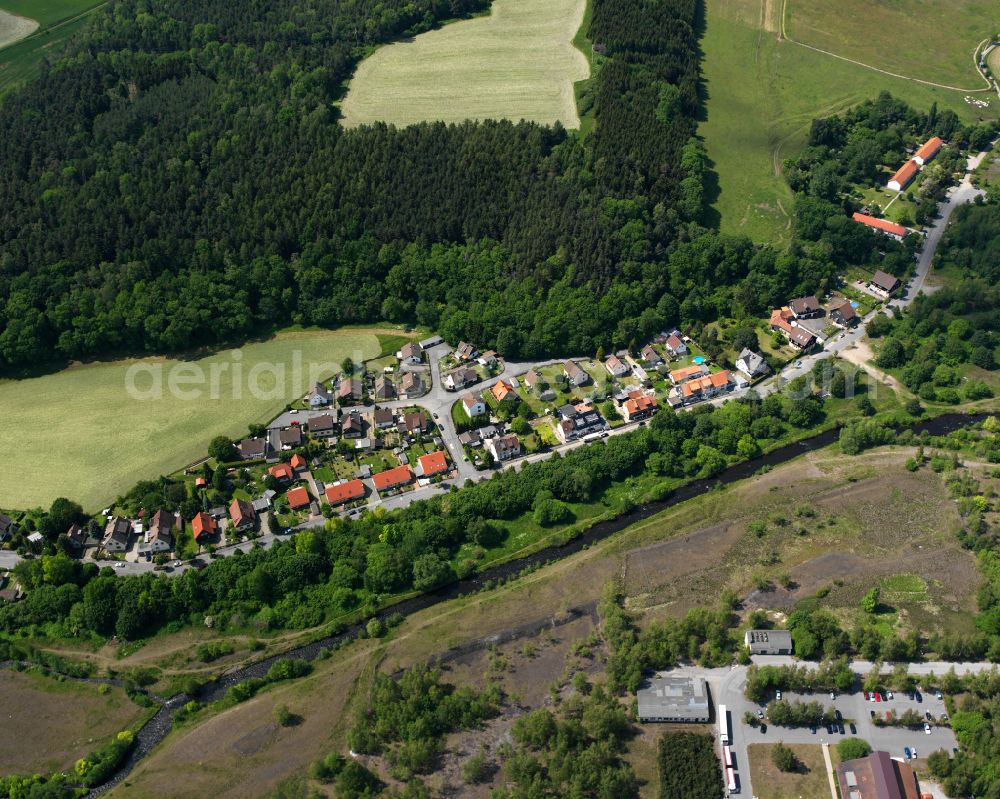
{"type": "Point", "coordinates": [517, 63]}
{"type": "Point", "coordinates": [81, 433]}
{"type": "Point", "coordinates": [53, 22]}
{"type": "Point", "coordinates": [762, 95]}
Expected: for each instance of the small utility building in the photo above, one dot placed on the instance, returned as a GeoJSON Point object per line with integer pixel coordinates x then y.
{"type": "Point", "coordinates": [768, 642]}
{"type": "Point", "coordinates": [683, 699]}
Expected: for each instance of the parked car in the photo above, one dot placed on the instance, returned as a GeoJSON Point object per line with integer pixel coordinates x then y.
{"type": "Point", "coordinates": [914, 753]}
{"type": "Point", "coordinates": [777, 695]}
{"type": "Point", "coordinates": [907, 753]}
{"type": "Point", "coordinates": [888, 695]}
{"type": "Point", "coordinates": [866, 696]}
{"type": "Point", "coordinates": [871, 713]}
{"type": "Point", "coordinates": [928, 715]}
{"type": "Point", "coordinates": [878, 697]}
{"type": "Point", "coordinates": [937, 695]}
{"type": "Point", "coordinates": [927, 728]}
{"type": "Point", "coordinates": [760, 714]}
{"type": "Point", "coordinates": [833, 695]}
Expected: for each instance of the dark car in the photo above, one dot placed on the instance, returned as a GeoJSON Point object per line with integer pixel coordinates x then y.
{"type": "Point", "coordinates": [763, 728]}
{"type": "Point", "coordinates": [927, 713]}
{"type": "Point", "coordinates": [871, 713]}
{"type": "Point", "coordinates": [854, 730]}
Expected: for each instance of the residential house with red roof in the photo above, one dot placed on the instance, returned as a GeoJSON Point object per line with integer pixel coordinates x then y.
{"type": "Point", "coordinates": [203, 527]}
{"type": "Point", "coordinates": [928, 150]}
{"type": "Point", "coordinates": [281, 472]}
{"type": "Point", "coordinates": [345, 492]}
{"type": "Point", "coordinates": [904, 176]}
{"type": "Point", "coordinates": [243, 515]}
{"type": "Point", "coordinates": [392, 478]}
{"type": "Point", "coordinates": [431, 464]}
{"type": "Point", "coordinates": [898, 232]}
{"type": "Point", "coordinates": [298, 498]}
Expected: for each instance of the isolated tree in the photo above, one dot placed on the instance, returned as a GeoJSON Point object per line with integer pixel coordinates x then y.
{"type": "Point", "coordinates": [853, 748]}
{"type": "Point", "coordinates": [222, 449]}
{"type": "Point", "coordinates": [783, 758]}
{"type": "Point", "coordinates": [869, 602]}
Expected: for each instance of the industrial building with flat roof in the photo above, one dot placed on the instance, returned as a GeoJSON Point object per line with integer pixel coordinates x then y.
{"type": "Point", "coordinates": [674, 699]}
{"type": "Point", "coordinates": [768, 642]}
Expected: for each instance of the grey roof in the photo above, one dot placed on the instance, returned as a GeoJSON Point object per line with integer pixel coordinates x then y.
{"type": "Point", "coordinates": [684, 698]}
{"type": "Point", "coordinates": [769, 639]}
{"type": "Point", "coordinates": [753, 360]}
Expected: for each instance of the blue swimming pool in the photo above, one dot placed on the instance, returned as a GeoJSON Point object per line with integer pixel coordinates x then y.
{"type": "Point", "coordinates": [698, 359]}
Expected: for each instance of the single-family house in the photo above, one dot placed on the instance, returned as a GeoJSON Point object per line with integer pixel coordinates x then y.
{"type": "Point", "coordinates": [76, 537]}
{"type": "Point", "coordinates": [392, 478]}
{"type": "Point", "coordinates": [488, 431]}
{"type": "Point", "coordinates": [411, 353]}
{"type": "Point", "coordinates": [431, 464]}
{"type": "Point", "coordinates": [290, 437]}
{"type": "Point", "coordinates": [465, 352]}
{"type": "Point", "coordinates": [323, 426]}
{"type": "Point", "coordinates": [347, 491]}
{"type": "Point", "coordinates": [161, 531]}
{"type": "Point", "coordinates": [116, 534]}
{"type": "Point", "coordinates": [349, 390]}
{"type": "Point", "coordinates": [616, 366]}
{"type": "Point", "coordinates": [897, 232]}
{"type": "Point", "coordinates": [675, 346]}
{"type": "Point", "coordinates": [203, 527]}
{"type": "Point", "coordinates": [352, 425]}
{"type": "Point", "coordinates": [487, 359]}
{"type": "Point", "coordinates": [883, 284]}
{"type": "Point", "coordinates": [298, 463]}
{"type": "Point", "coordinates": [639, 405]}
{"type": "Point", "coordinates": [243, 515]}
{"type": "Point", "coordinates": [843, 314]}
{"type": "Point", "coordinates": [650, 356]}
{"type": "Point", "coordinates": [805, 307]}
{"type": "Point", "coordinates": [412, 385]}
{"type": "Point", "coordinates": [460, 378]}
{"type": "Point", "coordinates": [577, 421]}
{"type": "Point", "coordinates": [502, 392]}
{"type": "Point", "coordinates": [751, 363]}
{"type": "Point", "coordinates": [384, 388]}
{"type": "Point", "coordinates": [470, 438]}
{"type": "Point", "coordinates": [800, 338]}
{"type": "Point", "coordinates": [298, 498]}
{"type": "Point", "coordinates": [574, 374]}
{"type": "Point", "coordinates": [695, 370]}
{"type": "Point", "coordinates": [414, 423]}
{"type": "Point", "coordinates": [781, 319]}
{"type": "Point", "coordinates": [252, 449]}
{"type": "Point", "coordinates": [473, 405]}
{"type": "Point", "coordinates": [282, 472]}
{"type": "Point", "coordinates": [383, 418]}
{"type": "Point", "coordinates": [904, 176]}
{"type": "Point", "coordinates": [532, 380]}
{"type": "Point", "coordinates": [503, 448]}
{"type": "Point", "coordinates": [7, 527]}
{"type": "Point", "coordinates": [319, 396]}
{"type": "Point", "coordinates": [928, 150]}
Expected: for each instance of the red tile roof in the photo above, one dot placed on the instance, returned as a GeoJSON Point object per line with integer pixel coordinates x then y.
{"type": "Point", "coordinates": [929, 148]}
{"type": "Point", "coordinates": [203, 525]}
{"type": "Point", "coordinates": [298, 462]}
{"type": "Point", "coordinates": [281, 471]}
{"type": "Point", "coordinates": [880, 224]}
{"type": "Point", "coordinates": [433, 463]}
{"type": "Point", "coordinates": [393, 477]}
{"type": "Point", "coordinates": [905, 173]}
{"type": "Point", "coordinates": [200, 482]}
{"type": "Point", "coordinates": [345, 492]}
{"type": "Point", "coordinates": [502, 390]}
{"type": "Point", "coordinates": [298, 497]}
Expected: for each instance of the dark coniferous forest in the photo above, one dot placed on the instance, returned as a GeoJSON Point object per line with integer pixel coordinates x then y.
{"type": "Point", "coordinates": [178, 177]}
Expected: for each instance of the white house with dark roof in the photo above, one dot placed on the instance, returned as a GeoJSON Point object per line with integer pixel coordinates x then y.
{"type": "Point", "coordinates": [751, 364]}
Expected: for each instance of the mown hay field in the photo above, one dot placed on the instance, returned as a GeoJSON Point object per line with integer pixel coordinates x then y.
{"type": "Point", "coordinates": [517, 63]}
{"type": "Point", "coordinates": [81, 433]}
{"type": "Point", "coordinates": [14, 28]}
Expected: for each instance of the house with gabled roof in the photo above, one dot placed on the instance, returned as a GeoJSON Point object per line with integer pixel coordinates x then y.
{"type": "Point", "coordinates": [347, 491]}
{"type": "Point", "coordinates": [7, 527]}
{"type": "Point", "coordinates": [460, 378]}
{"type": "Point", "coordinates": [384, 388]}
{"type": "Point", "coordinates": [203, 527]}
{"type": "Point", "coordinates": [904, 176]}
{"type": "Point", "coordinates": [695, 370]}
{"type": "Point", "coordinates": [473, 405]}
{"type": "Point", "coordinates": [650, 356]}
{"type": "Point", "coordinates": [897, 232]}
{"type": "Point", "coordinates": [252, 449]}
{"type": "Point", "coordinates": [352, 425]}
{"type": "Point", "coordinates": [282, 472]}
{"type": "Point", "coordinates": [323, 426]}
{"type": "Point", "coordinates": [616, 366]}
{"type": "Point", "coordinates": [290, 437]}
{"type": "Point", "coordinates": [639, 405]}
{"type": "Point", "coordinates": [675, 346]}
{"type": "Point", "coordinates": [883, 283]}
{"type": "Point", "coordinates": [805, 307]}
{"type": "Point", "coordinates": [242, 514]}
{"type": "Point", "coordinates": [319, 396]}
{"type": "Point", "coordinates": [843, 314]}
{"type": "Point", "coordinates": [412, 385]}
{"type": "Point", "coordinates": [574, 374]}
{"type": "Point", "coordinates": [502, 391]}
{"type": "Point", "coordinates": [349, 390]}
{"type": "Point", "coordinates": [751, 363]}
{"type": "Point", "coordinates": [431, 464]}
{"type": "Point", "coordinates": [465, 351]}
{"type": "Point", "coordinates": [116, 534]}
{"type": "Point", "coordinates": [503, 448]}
{"type": "Point", "coordinates": [392, 478]}
{"type": "Point", "coordinates": [298, 498]}
{"type": "Point", "coordinates": [411, 353]}
{"type": "Point", "coordinates": [928, 150]}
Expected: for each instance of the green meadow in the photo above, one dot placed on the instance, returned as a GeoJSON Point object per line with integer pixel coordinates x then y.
{"type": "Point", "coordinates": [762, 97]}
{"type": "Point", "coordinates": [81, 433]}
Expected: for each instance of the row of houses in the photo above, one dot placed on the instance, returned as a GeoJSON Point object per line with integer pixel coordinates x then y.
{"type": "Point", "coordinates": [908, 171]}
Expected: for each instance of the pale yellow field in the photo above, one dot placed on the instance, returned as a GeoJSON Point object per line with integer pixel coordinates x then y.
{"type": "Point", "coordinates": [518, 63]}
{"type": "Point", "coordinates": [83, 434]}
{"type": "Point", "coordinates": [14, 28]}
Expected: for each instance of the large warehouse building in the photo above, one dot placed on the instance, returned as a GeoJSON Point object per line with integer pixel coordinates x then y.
{"type": "Point", "coordinates": [683, 699]}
